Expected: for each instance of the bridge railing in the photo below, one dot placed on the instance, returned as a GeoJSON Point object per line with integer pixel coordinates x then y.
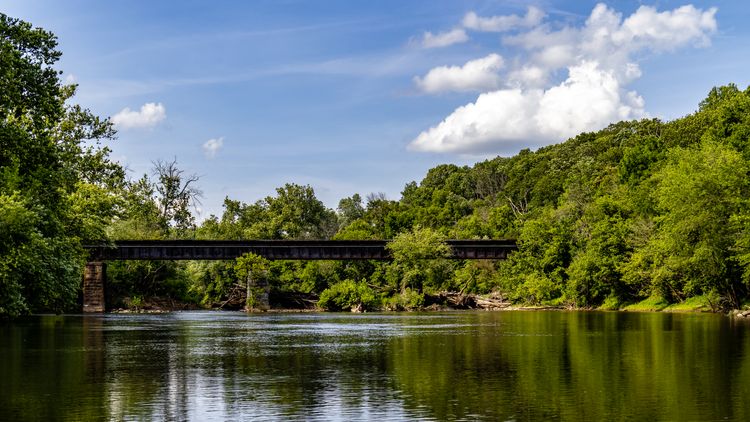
{"type": "Point", "coordinates": [280, 249]}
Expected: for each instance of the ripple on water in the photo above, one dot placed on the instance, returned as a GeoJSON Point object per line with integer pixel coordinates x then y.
{"type": "Point", "coordinates": [444, 366]}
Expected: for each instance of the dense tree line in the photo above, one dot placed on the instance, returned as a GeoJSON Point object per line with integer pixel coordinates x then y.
{"type": "Point", "coordinates": [641, 209]}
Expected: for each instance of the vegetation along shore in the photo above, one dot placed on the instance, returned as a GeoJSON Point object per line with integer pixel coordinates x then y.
{"type": "Point", "coordinates": [643, 214]}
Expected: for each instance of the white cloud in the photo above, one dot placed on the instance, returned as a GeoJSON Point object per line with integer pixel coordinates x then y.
{"type": "Point", "coordinates": [555, 56]}
{"type": "Point", "coordinates": [541, 36]}
{"type": "Point", "coordinates": [608, 39]}
{"type": "Point", "coordinates": [600, 58]}
{"type": "Point", "coordinates": [444, 39]}
{"type": "Point", "coordinates": [528, 76]}
{"type": "Point", "coordinates": [503, 23]}
{"type": "Point", "coordinates": [212, 147]}
{"type": "Point", "coordinates": [150, 115]}
{"type": "Point", "coordinates": [589, 99]}
{"type": "Point", "coordinates": [666, 30]}
{"type": "Point", "coordinates": [70, 79]}
{"type": "Point", "coordinates": [502, 120]}
{"type": "Point", "coordinates": [475, 75]}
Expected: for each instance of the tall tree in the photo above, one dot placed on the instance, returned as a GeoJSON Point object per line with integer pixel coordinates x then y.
{"type": "Point", "coordinates": [176, 195]}
{"type": "Point", "coordinates": [57, 185]}
{"type": "Point", "coordinates": [295, 213]}
{"type": "Point", "coordinates": [350, 209]}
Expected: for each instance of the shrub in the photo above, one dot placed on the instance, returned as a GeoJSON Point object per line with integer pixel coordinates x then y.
{"type": "Point", "coordinates": [408, 300]}
{"type": "Point", "coordinates": [348, 295]}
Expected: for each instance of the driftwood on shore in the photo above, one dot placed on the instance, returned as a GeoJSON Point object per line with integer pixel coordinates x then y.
{"type": "Point", "coordinates": [469, 301]}
{"type": "Point", "coordinates": [306, 301]}
{"type": "Point", "coordinates": [237, 297]}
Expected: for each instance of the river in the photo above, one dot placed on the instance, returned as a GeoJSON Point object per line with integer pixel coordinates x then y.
{"type": "Point", "coordinates": [522, 365]}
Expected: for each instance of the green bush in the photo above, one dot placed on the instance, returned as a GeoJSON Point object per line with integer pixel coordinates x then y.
{"type": "Point", "coordinates": [537, 289]}
{"type": "Point", "coordinates": [611, 303]}
{"type": "Point", "coordinates": [348, 295]}
{"type": "Point", "coordinates": [408, 300]}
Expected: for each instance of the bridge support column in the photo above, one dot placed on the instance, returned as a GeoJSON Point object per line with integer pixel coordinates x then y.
{"type": "Point", "coordinates": [94, 277]}
{"type": "Point", "coordinates": [258, 291]}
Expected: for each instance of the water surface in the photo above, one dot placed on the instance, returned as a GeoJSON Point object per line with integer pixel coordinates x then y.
{"type": "Point", "coordinates": [436, 366]}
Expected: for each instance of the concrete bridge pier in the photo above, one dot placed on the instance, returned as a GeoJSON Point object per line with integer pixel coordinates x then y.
{"type": "Point", "coordinates": [258, 291]}
{"type": "Point", "coordinates": [94, 277]}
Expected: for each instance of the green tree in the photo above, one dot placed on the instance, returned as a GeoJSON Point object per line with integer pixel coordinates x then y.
{"type": "Point", "coordinates": [602, 219]}
{"type": "Point", "coordinates": [348, 295]}
{"type": "Point", "coordinates": [420, 260]}
{"type": "Point", "coordinates": [537, 272]}
{"type": "Point", "coordinates": [57, 185]}
{"type": "Point", "coordinates": [699, 192]}
{"type": "Point", "coordinates": [295, 213]}
{"type": "Point", "coordinates": [594, 272]}
{"type": "Point", "coordinates": [350, 209]}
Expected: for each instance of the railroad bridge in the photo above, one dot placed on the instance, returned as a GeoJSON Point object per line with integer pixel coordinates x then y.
{"type": "Point", "coordinates": [94, 279]}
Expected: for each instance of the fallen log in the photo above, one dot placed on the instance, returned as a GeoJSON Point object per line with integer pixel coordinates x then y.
{"type": "Point", "coordinates": [471, 301]}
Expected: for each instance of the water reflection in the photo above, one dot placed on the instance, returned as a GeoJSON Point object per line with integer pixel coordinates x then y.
{"type": "Point", "coordinates": [493, 366]}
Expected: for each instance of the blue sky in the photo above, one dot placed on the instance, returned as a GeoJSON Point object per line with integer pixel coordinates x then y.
{"type": "Point", "coordinates": [358, 97]}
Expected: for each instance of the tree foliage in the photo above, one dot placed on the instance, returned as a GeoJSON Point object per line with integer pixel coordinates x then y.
{"type": "Point", "coordinates": [638, 209]}
{"type": "Point", "coordinates": [420, 260]}
{"type": "Point", "coordinates": [57, 183]}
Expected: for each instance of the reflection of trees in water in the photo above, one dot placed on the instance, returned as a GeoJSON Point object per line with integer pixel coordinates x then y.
{"type": "Point", "coordinates": [740, 389]}
{"type": "Point", "coordinates": [136, 366]}
{"type": "Point", "coordinates": [297, 375]}
{"type": "Point", "coordinates": [577, 366]}
{"type": "Point", "coordinates": [51, 368]}
{"type": "Point", "coordinates": [534, 365]}
{"type": "Point", "coordinates": [198, 369]}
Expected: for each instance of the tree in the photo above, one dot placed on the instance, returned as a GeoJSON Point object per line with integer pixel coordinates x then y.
{"type": "Point", "coordinates": [295, 213]}
{"type": "Point", "coordinates": [154, 210]}
{"type": "Point", "coordinates": [595, 272]}
{"type": "Point", "coordinates": [420, 259]}
{"type": "Point", "coordinates": [350, 209]}
{"type": "Point", "coordinates": [176, 194]}
{"type": "Point", "coordinates": [57, 184]}
{"type": "Point", "coordinates": [348, 295]}
{"type": "Point", "coordinates": [700, 191]}
{"type": "Point", "coordinates": [30, 85]}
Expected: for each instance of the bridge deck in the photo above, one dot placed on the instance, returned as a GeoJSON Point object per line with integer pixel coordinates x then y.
{"type": "Point", "coordinates": [280, 249]}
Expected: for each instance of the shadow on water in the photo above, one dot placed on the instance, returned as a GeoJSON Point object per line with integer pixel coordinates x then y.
{"type": "Point", "coordinates": [503, 365]}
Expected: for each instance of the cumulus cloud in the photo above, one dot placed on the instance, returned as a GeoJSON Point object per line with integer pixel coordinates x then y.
{"type": "Point", "coordinates": [613, 42]}
{"type": "Point", "coordinates": [150, 115]}
{"type": "Point", "coordinates": [534, 107]}
{"type": "Point", "coordinates": [589, 98]}
{"type": "Point", "coordinates": [475, 75]}
{"type": "Point", "coordinates": [444, 39]}
{"type": "Point", "coordinates": [502, 120]}
{"type": "Point", "coordinates": [503, 23]}
{"type": "Point", "coordinates": [212, 147]}
{"type": "Point", "coordinates": [528, 76]}
{"type": "Point", "coordinates": [664, 30]}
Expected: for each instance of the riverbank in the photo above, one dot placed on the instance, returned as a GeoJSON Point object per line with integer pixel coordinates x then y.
{"type": "Point", "coordinates": [444, 301]}
{"type": "Point", "coordinates": [699, 304]}
{"type": "Point", "coordinates": [153, 305]}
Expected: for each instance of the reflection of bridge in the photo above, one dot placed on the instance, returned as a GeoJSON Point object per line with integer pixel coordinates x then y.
{"type": "Point", "coordinates": [95, 274]}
